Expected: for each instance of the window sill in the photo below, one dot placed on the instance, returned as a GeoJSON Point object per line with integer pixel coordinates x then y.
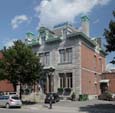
{"type": "Point", "coordinates": [64, 63]}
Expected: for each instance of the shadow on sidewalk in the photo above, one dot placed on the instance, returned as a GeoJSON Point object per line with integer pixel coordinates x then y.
{"type": "Point", "coordinates": [28, 103]}
{"type": "Point", "coordinates": [98, 108]}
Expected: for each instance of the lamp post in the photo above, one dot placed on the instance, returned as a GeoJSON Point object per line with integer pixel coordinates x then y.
{"type": "Point", "coordinates": [50, 75]}
{"type": "Point", "coordinates": [51, 70]}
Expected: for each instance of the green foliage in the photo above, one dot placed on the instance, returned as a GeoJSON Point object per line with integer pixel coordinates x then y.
{"type": "Point", "coordinates": [83, 97]}
{"type": "Point", "coordinates": [109, 94]}
{"type": "Point", "coordinates": [110, 37]}
{"type": "Point", "coordinates": [105, 96]}
{"type": "Point", "coordinates": [73, 96]}
{"type": "Point", "coordinates": [60, 91]}
{"type": "Point", "coordinates": [20, 64]}
{"type": "Point", "coordinates": [2, 77]}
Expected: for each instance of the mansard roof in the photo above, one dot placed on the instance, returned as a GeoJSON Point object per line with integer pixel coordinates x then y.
{"type": "Point", "coordinates": [82, 36]}
{"type": "Point", "coordinates": [58, 30]}
{"type": "Point", "coordinates": [56, 35]}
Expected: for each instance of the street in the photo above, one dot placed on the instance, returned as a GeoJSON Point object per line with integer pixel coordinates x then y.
{"type": "Point", "coordinates": [19, 111]}
{"type": "Point", "coordinates": [91, 106]}
{"type": "Point", "coordinates": [3, 110]}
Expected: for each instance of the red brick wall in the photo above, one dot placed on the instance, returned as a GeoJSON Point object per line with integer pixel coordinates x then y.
{"type": "Point", "coordinates": [91, 68]}
{"type": "Point", "coordinates": [111, 77]}
{"type": "Point", "coordinates": [5, 85]}
{"type": "Point", "coordinates": [88, 80]}
{"type": "Point", "coordinates": [1, 56]}
{"type": "Point", "coordinates": [87, 61]}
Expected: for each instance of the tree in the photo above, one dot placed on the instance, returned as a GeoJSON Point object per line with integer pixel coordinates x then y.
{"type": "Point", "coordinates": [2, 77]}
{"type": "Point", "coordinates": [20, 65]}
{"type": "Point", "coordinates": [110, 37]}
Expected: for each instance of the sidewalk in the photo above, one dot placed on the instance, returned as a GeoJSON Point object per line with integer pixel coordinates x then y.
{"type": "Point", "coordinates": [45, 107]}
{"type": "Point", "coordinates": [34, 106]}
{"type": "Point", "coordinates": [93, 106]}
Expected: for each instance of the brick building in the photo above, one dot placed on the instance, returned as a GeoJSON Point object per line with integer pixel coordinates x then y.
{"type": "Point", "coordinates": [92, 65]}
{"type": "Point", "coordinates": [5, 85]}
{"type": "Point", "coordinates": [1, 56]}
{"type": "Point", "coordinates": [108, 80]}
{"type": "Point", "coordinates": [75, 57]}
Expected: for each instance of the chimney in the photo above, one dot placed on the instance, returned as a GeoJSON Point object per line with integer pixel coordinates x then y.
{"type": "Point", "coordinates": [85, 25]}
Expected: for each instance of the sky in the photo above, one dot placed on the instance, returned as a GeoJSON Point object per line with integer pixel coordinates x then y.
{"type": "Point", "coordinates": [17, 17]}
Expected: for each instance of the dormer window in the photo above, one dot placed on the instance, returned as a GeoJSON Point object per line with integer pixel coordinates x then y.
{"type": "Point", "coordinates": [69, 31]}
{"type": "Point", "coordinates": [64, 33]}
{"type": "Point", "coordinates": [42, 32]}
{"type": "Point", "coordinates": [43, 38]}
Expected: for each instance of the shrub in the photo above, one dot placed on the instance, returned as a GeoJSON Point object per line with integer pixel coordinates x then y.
{"type": "Point", "coordinates": [83, 97]}
{"type": "Point", "coordinates": [60, 91]}
{"type": "Point", "coordinates": [73, 96]}
{"type": "Point", "coordinates": [105, 96]}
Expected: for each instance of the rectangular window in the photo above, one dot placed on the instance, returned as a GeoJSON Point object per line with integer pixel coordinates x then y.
{"type": "Point", "coordinates": [62, 56]}
{"type": "Point", "coordinates": [69, 55]}
{"type": "Point", "coordinates": [62, 80]}
{"type": "Point", "coordinates": [69, 80]}
{"type": "Point", "coordinates": [66, 55]}
{"type": "Point", "coordinates": [41, 58]}
{"type": "Point", "coordinates": [45, 58]}
{"type": "Point", "coordinates": [95, 62]}
{"type": "Point", "coordinates": [100, 64]}
{"type": "Point", "coordinates": [66, 80]}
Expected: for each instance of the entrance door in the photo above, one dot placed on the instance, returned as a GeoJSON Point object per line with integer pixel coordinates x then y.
{"type": "Point", "coordinates": [50, 84]}
{"type": "Point", "coordinates": [104, 87]}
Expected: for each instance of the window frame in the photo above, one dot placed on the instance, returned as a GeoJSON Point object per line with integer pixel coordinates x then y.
{"type": "Point", "coordinates": [45, 58]}
{"type": "Point", "coordinates": [66, 55]}
{"type": "Point", "coordinates": [66, 80]}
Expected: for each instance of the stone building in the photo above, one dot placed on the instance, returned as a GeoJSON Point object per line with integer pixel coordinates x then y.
{"type": "Point", "coordinates": [75, 57]}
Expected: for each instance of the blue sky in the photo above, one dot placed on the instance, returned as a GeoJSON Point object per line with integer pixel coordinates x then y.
{"type": "Point", "coordinates": [17, 17]}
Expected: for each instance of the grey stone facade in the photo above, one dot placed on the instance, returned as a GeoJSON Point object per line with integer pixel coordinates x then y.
{"type": "Point", "coordinates": [74, 67]}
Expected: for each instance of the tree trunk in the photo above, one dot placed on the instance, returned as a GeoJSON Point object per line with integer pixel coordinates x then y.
{"type": "Point", "coordinates": [20, 91]}
{"type": "Point", "coordinates": [14, 87]}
